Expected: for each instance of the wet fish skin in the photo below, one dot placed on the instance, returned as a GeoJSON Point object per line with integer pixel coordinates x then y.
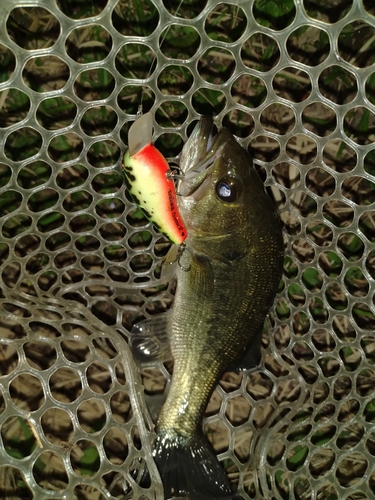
{"type": "Point", "coordinates": [227, 279]}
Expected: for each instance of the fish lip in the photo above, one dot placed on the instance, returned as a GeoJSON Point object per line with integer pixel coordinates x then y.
{"type": "Point", "coordinates": [197, 145]}
{"type": "Point", "coordinates": [199, 155]}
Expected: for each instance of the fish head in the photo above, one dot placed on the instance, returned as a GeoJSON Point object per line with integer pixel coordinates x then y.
{"type": "Point", "coordinates": [220, 192]}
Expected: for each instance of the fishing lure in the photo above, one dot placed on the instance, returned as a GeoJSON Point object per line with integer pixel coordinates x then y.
{"type": "Point", "coordinates": [149, 181]}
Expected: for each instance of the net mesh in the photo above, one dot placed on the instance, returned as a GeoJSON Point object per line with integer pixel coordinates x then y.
{"type": "Point", "coordinates": [79, 264]}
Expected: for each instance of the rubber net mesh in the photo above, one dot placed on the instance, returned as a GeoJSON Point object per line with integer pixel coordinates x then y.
{"type": "Point", "coordinates": [79, 264]}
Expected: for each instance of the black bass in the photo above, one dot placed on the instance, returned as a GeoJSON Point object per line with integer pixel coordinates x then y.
{"type": "Point", "coordinates": [227, 278]}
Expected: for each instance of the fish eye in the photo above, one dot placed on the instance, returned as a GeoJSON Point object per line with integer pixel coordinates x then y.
{"type": "Point", "coordinates": [228, 189]}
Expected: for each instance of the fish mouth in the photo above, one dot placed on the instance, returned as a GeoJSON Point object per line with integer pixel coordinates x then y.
{"type": "Point", "coordinates": [198, 157]}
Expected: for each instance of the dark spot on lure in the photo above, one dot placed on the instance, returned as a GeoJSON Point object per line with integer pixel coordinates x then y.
{"type": "Point", "coordinates": [127, 184]}
{"type": "Point", "coordinates": [130, 176]}
{"type": "Point", "coordinates": [137, 201]}
{"type": "Point", "coordinates": [147, 214]}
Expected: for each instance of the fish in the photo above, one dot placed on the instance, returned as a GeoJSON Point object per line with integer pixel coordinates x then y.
{"type": "Point", "coordinates": [227, 279]}
{"type": "Point", "coordinates": [150, 183]}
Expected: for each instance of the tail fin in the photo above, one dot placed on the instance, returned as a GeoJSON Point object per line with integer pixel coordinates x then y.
{"type": "Point", "coordinates": [189, 468]}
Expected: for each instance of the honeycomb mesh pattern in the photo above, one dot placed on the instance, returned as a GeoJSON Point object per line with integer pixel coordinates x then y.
{"type": "Point", "coordinates": [79, 264]}
{"type": "Point", "coordinates": [67, 397]}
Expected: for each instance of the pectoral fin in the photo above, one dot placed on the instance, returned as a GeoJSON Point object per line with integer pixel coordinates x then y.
{"type": "Point", "coordinates": [201, 273]}
{"type": "Point", "coordinates": [149, 339]}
